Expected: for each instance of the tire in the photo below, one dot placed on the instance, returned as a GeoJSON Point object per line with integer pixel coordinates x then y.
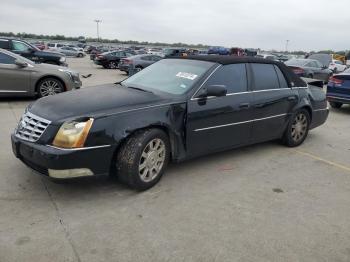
{"type": "Point", "coordinates": [49, 86]}
{"type": "Point", "coordinates": [336, 105]}
{"type": "Point", "coordinates": [138, 164]}
{"type": "Point", "coordinates": [310, 76]}
{"type": "Point", "coordinates": [297, 129]}
{"type": "Point", "coordinates": [80, 55]}
{"type": "Point", "coordinates": [138, 68]}
{"type": "Point", "coordinates": [112, 65]}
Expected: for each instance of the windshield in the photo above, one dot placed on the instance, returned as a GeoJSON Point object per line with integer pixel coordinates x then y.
{"type": "Point", "coordinates": [296, 62]}
{"type": "Point", "coordinates": [174, 76]}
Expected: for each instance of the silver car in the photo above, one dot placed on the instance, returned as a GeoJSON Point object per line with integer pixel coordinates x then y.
{"type": "Point", "coordinates": [71, 51]}
{"type": "Point", "coordinates": [22, 77]}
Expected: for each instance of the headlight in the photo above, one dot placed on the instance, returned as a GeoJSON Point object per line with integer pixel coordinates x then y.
{"type": "Point", "coordinates": [73, 134]}
{"type": "Point", "coordinates": [63, 59]}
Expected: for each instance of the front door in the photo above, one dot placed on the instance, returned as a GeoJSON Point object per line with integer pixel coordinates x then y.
{"type": "Point", "coordinates": [216, 123]}
{"type": "Point", "coordinates": [14, 80]}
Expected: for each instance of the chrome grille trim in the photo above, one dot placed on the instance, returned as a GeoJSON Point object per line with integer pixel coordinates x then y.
{"type": "Point", "coordinates": [31, 127]}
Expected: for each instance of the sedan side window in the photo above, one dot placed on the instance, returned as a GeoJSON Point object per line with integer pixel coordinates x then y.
{"type": "Point", "coordinates": [265, 77]}
{"type": "Point", "coordinates": [234, 77]}
{"type": "Point", "coordinates": [6, 59]}
{"type": "Point", "coordinates": [19, 46]}
{"type": "Point", "coordinates": [281, 78]}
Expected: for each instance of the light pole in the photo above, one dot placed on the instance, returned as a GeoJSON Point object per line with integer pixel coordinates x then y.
{"type": "Point", "coordinates": [287, 42]}
{"type": "Point", "coordinates": [97, 21]}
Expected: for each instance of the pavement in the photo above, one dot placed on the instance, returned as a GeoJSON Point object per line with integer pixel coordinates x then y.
{"type": "Point", "coordinates": [260, 203]}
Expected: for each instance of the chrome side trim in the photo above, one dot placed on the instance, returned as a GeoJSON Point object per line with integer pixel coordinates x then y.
{"type": "Point", "coordinates": [239, 123]}
{"type": "Point", "coordinates": [146, 107]}
{"type": "Point", "coordinates": [79, 148]}
{"type": "Point", "coordinates": [248, 92]}
{"type": "Point", "coordinates": [322, 109]}
{"type": "Point", "coordinates": [12, 91]}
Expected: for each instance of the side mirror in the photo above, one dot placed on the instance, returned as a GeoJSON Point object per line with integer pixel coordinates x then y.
{"type": "Point", "coordinates": [20, 63]}
{"type": "Point", "coordinates": [213, 90]}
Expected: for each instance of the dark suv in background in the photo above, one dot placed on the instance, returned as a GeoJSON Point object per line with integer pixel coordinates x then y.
{"type": "Point", "coordinates": [31, 52]}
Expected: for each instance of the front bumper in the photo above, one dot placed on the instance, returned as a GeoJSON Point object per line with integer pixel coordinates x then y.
{"type": "Point", "coordinates": [344, 99]}
{"type": "Point", "coordinates": [63, 163]}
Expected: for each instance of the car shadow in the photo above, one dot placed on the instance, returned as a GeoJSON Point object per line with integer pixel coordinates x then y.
{"type": "Point", "coordinates": [104, 185]}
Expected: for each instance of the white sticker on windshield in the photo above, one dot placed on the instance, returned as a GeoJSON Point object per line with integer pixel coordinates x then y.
{"type": "Point", "coordinates": [186, 75]}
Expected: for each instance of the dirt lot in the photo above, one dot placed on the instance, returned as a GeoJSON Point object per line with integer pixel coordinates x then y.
{"type": "Point", "coordinates": [260, 203]}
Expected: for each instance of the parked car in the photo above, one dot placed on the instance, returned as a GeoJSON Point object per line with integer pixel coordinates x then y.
{"type": "Point", "coordinates": [22, 77]}
{"type": "Point", "coordinates": [175, 109]}
{"type": "Point", "coordinates": [55, 46]}
{"type": "Point", "coordinates": [111, 59]}
{"type": "Point", "coordinates": [309, 68]}
{"type": "Point", "coordinates": [218, 50]}
{"type": "Point", "coordinates": [71, 51]}
{"type": "Point", "coordinates": [337, 66]}
{"type": "Point", "coordinates": [137, 62]}
{"type": "Point", "coordinates": [338, 89]}
{"type": "Point", "coordinates": [97, 51]}
{"type": "Point", "coordinates": [174, 52]}
{"type": "Point", "coordinates": [39, 45]}
{"type": "Point", "coordinates": [31, 52]}
{"type": "Point", "coordinates": [327, 61]}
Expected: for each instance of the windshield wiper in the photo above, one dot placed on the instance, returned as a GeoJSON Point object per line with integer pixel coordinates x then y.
{"type": "Point", "coordinates": [138, 88]}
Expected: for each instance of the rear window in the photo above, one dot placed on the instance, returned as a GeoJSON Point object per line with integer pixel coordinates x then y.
{"type": "Point", "coordinates": [265, 77]}
{"type": "Point", "coordinates": [4, 44]}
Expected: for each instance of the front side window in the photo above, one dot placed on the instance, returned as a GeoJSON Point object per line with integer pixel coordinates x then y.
{"type": "Point", "coordinates": [19, 46]}
{"type": "Point", "coordinates": [265, 77]}
{"type": "Point", "coordinates": [6, 59]}
{"type": "Point", "coordinates": [173, 76]}
{"type": "Point", "coordinates": [233, 77]}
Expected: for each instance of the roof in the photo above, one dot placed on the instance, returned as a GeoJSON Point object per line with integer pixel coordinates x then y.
{"type": "Point", "coordinates": [226, 60]}
{"type": "Point", "coordinates": [293, 79]}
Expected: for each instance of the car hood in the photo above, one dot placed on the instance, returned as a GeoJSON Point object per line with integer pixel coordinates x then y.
{"type": "Point", "coordinates": [96, 102]}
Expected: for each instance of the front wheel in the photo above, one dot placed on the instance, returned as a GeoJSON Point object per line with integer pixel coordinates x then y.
{"type": "Point", "coordinates": [50, 86]}
{"type": "Point", "coordinates": [297, 129]}
{"type": "Point", "coordinates": [335, 104]}
{"type": "Point", "coordinates": [143, 158]}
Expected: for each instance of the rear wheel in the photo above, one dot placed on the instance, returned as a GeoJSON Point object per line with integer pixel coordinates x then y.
{"type": "Point", "coordinates": [335, 104]}
{"type": "Point", "coordinates": [143, 158]}
{"type": "Point", "coordinates": [49, 86]}
{"type": "Point", "coordinates": [80, 55]}
{"type": "Point", "coordinates": [297, 129]}
{"type": "Point", "coordinates": [112, 65]}
{"type": "Point", "coordinates": [138, 68]}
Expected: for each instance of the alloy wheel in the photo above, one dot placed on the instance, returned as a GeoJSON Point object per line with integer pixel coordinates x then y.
{"type": "Point", "coordinates": [50, 87]}
{"type": "Point", "coordinates": [112, 65]}
{"type": "Point", "coordinates": [299, 127]}
{"type": "Point", "coordinates": [152, 160]}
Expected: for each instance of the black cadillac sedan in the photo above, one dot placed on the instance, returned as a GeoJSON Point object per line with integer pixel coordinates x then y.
{"type": "Point", "coordinates": [173, 110]}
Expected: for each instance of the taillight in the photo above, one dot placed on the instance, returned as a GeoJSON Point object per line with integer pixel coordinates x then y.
{"type": "Point", "coordinates": [335, 81]}
{"type": "Point", "coordinates": [298, 71]}
{"type": "Point", "coordinates": [100, 56]}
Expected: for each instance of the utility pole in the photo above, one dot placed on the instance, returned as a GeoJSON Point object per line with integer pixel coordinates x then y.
{"type": "Point", "coordinates": [287, 42]}
{"type": "Point", "coordinates": [97, 21]}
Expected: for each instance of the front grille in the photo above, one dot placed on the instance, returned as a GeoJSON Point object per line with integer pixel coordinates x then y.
{"type": "Point", "coordinates": [31, 127]}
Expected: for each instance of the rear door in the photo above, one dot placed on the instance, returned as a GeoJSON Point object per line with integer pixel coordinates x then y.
{"type": "Point", "coordinates": [273, 102]}
{"type": "Point", "coordinates": [216, 123]}
{"type": "Point", "coordinates": [14, 80]}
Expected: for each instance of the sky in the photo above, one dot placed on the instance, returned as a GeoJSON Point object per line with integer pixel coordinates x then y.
{"type": "Point", "coordinates": [266, 24]}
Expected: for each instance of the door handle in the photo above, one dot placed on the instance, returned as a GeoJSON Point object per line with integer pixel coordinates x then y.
{"type": "Point", "coordinates": [291, 98]}
{"type": "Point", "coordinates": [244, 105]}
